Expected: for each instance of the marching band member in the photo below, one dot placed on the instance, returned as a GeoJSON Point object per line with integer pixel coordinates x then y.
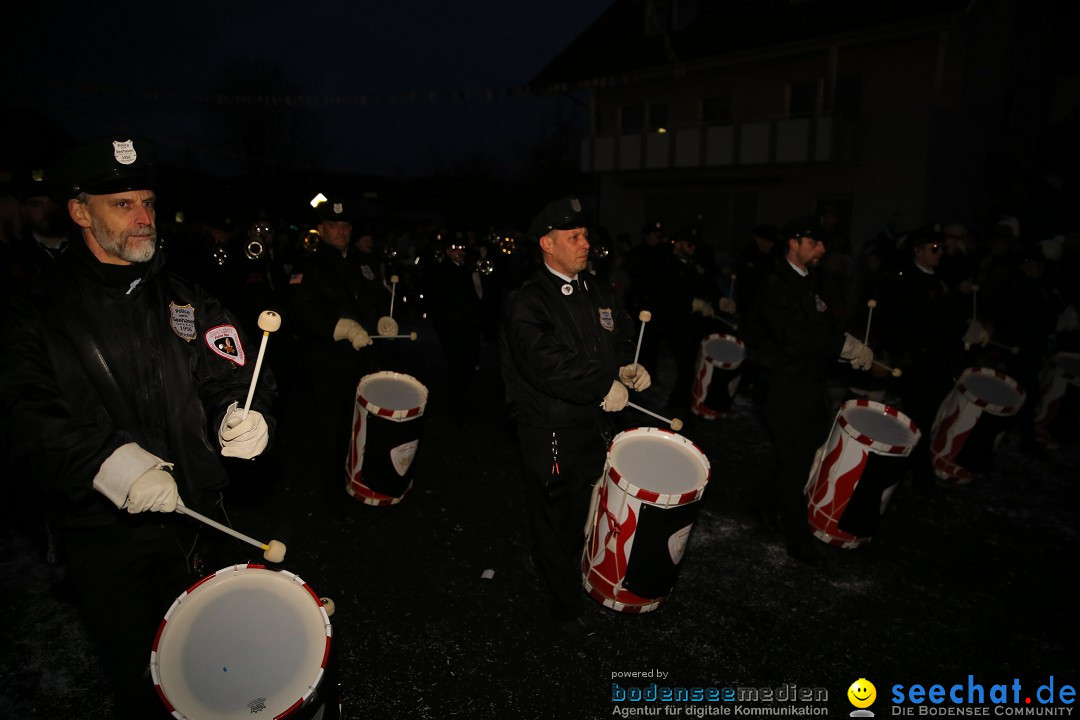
{"type": "Point", "coordinates": [120, 387]}
{"type": "Point", "coordinates": [565, 347]}
{"type": "Point", "coordinates": [793, 337]}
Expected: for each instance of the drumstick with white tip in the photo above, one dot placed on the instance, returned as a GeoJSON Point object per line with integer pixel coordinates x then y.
{"type": "Point", "coordinates": [1014, 349]}
{"type": "Point", "coordinates": [644, 316]}
{"type": "Point", "coordinates": [896, 372]}
{"type": "Point", "coordinates": [274, 551]}
{"type": "Point", "coordinates": [410, 336]}
{"type": "Point", "coordinates": [387, 326]}
{"type": "Point", "coordinates": [674, 423]}
{"type": "Point", "coordinates": [871, 304]}
{"type": "Point", "coordinates": [393, 292]}
{"type": "Point", "coordinates": [269, 321]}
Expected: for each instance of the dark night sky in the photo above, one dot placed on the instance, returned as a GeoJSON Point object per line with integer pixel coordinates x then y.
{"type": "Point", "coordinates": [95, 67]}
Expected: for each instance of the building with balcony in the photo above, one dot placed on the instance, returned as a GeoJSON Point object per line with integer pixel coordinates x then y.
{"type": "Point", "coordinates": [736, 112]}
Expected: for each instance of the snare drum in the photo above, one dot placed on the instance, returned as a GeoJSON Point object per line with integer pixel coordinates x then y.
{"type": "Point", "coordinates": [971, 422]}
{"type": "Point", "coordinates": [387, 422]}
{"type": "Point", "coordinates": [717, 377]}
{"type": "Point", "coordinates": [246, 640]}
{"type": "Point", "coordinates": [856, 470]}
{"type": "Point", "coordinates": [645, 507]}
{"type": "Point", "coordinates": [1059, 397]}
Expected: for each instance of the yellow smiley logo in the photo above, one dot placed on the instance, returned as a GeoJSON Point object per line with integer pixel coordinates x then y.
{"type": "Point", "coordinates": [862, 693]}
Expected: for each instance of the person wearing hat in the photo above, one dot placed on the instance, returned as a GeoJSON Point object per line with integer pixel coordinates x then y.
{"type": "Point", "coordinates": [567, 350]}
{"type": "Point", "coordinates": [454, 297]}
{"type": "Point", "coordinates": [119, 395]}
{"type": "Point", "coordinates": [929, 325]}
{"type": "Point", "coordinates": [334, 292]}
{"type": "Point", "coordinates": [644, 290]}
{"type": "Point", "coordinates": [43, 237]}
{"type": "Point", "coordinates": [793, 339]}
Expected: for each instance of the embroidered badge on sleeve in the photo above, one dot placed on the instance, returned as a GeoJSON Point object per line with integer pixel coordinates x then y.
{"type": "Point", "coordinates": [225, 341]}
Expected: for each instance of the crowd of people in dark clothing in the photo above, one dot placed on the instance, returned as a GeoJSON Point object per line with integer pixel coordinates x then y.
{"type": "Point", "coordinates": [896, 318]}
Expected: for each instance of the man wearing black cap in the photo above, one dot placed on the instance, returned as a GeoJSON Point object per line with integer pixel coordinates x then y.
{"type": "Point", "coordinates": [566, 348]}
{"type": "Point", "coordinates": [44, 232]}
{"type": "Point", "coordinates": [119, 392]}
{"type": "Point", "coordinates": [793, 338]}
{"type": "Point", "coordinates": [334, 291]}
{"type": "Point", "coordinates": [928, 335]}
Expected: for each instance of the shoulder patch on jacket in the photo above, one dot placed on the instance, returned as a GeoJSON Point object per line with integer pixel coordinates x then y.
{"type": "Point", "coordinates": [607, 321]}
{"type": "Point", "coordinates": [182, 320]}
{"type": "Point", "coordinates": [225, 341]}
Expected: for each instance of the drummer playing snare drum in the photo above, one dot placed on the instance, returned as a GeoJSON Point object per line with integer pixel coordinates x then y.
{"type": "Point", "coordinates": [793, 338]}
{"type": "Point", "coordinates": [567, 349]}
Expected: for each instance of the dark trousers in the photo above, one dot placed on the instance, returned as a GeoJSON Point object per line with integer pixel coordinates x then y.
{"type": "Point", "coordinates": [797, 418]}
{"type": "Point", "coordinates": [127, 575]}
{"type": "Point", "coordinates": [557, 507]}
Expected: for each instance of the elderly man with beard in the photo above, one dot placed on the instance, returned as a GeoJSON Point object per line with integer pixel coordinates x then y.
{"type": "Point", "coordinates": [119, 391]}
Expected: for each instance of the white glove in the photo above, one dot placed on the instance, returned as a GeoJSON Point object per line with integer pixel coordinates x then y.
{"type": "Point", "coordinates": [700, 306]}
{"type": "Point", "coordinates": [860, 356]}
{"type": "Point", "coordinates": [154, 490]}
{"type": "Point", "coordinates": [976, 334]}
{"type": "Point", "coordinates": [727, 305]}
{"type": "Point", "coordinates": [635, 376]}
{"type": "Point", "coordinates": [349, 329]}
{"type": "Point", "coordinates": [616, 398]}
{"type": "Point", "coordinates": [387, 326]}
{"type": "Point", "coordinates": [242, 437]}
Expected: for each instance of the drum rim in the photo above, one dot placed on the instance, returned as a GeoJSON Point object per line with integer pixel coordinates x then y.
{"type": "Point", "coordinates": [237, 569]}
{"type": "Point", "coordinates": [651, 496]}
{"type": "Point", "coordinates": [387, 413]}
{"type": "Point", "coordinates": [889, 410]}
{"type": "Point", "coordinates": [731, 339]}
{"type": "Point", "coordinates": [1070, 376]}
{"type": "Point", "coordinates": [992, 408]}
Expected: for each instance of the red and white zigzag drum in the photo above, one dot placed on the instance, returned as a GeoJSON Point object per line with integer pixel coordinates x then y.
{"type": "Point", "coordinates": [717, 377]}
{"type": "Point", "coordinates": [245, 640]}
{"type": "Point", "coordinates": [971, 421]}
{"type": "Point", "coordinates": [1058, 411]}
{"type": "Point", "coordinates": [856, 470]}
{"type": "Point", "coordinates": [643, 511]}
{"type": "Point", "coordinates": [387, 423]}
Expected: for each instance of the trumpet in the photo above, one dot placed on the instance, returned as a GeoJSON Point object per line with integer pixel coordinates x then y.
{"type": "Point", "coordinates": [311, 240]}
{"type": "Point", "coordinates": [507, 245]}
{"type": "Point", "coordinates": [255, 250]}
{"type": "Point", "coordinates": [261, 234]}
{"type": "Point", "coordinates": [484, 267]}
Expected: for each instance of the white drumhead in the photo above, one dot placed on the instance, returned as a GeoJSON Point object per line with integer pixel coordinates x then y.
{"type": "Point", "coordinates": [659, 461]}
{"type": "Point", "coordinates": [880, 426]}
{"type": "Point", "coordinates": [724, 350]}
{"type": "Point", "coordinates": [993, 390]}
{"type": "Point", "coordinates": [244, 639]}
{"type": "Point", "coordinates": [393, 391]}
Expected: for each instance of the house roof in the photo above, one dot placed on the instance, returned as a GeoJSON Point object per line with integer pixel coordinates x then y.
{"type": "Point", "coordinates": [616, 48]}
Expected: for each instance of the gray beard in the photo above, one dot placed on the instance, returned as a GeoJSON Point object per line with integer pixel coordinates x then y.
{"type": "Point", "coordinates": [128, 246]}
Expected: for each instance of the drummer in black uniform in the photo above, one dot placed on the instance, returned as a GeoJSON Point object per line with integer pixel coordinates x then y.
{"type": "Point", "coordinates": [567, 350]}
{"type": "Point", "coordinates": [334, 294]}
{"type": "Point", "coordinates": [928, 329]}
{"type": "Point", "coordinates": [792, 336]}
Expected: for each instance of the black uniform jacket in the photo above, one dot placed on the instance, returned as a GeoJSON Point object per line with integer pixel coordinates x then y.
{"type": "Point", "coordinates": [792, 332]}
{"type": "Point", "coordinates": [177, 360]}
{"type": "Point", "coordinates": [561, 352]}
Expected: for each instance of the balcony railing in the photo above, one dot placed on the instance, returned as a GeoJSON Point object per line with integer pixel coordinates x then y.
{"type": "Point", "coordinates": [817, 139]}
